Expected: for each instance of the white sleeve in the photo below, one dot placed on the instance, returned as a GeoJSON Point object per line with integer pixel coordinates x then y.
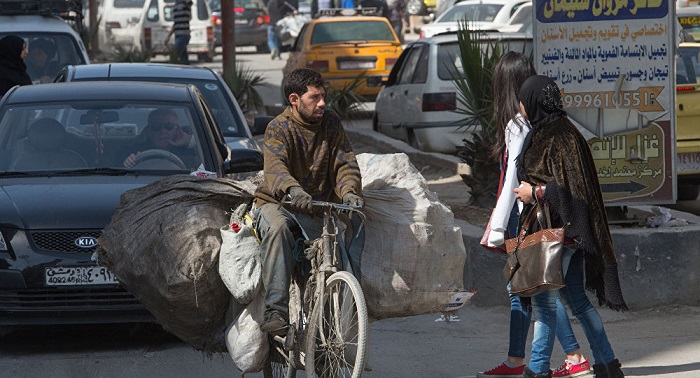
{"type": "Point", "coordinates": [514, 144]}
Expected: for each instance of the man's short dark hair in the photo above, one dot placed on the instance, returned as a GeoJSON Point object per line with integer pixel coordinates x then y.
{"type": "Point", "coordinates": [300, 79]}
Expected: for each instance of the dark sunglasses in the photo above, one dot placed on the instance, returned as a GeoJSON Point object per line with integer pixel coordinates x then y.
{"type": "Point", "coordinates": [164, 125]}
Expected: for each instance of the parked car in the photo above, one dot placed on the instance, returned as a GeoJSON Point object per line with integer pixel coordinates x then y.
{"type": "Point", "coordinates": [417, 103]}
{"type": "Point", "coordinates": [343, 47]}
{"type": "Point", "coordinates": [420, 7]}
{"type": "Point", "coordinates": [687, 120]}
{"type": "Point", "coordinates": [118, 24]}
{"type": "Point", "coordinates": [62, 163]}
{"type": "Point", "coordinates": [486, 15]}
{"type": "Point", "coordinates": [227, 112]}
{"type": "Point", "coordinates": [31, 22]}
{"type": "Point", "coordinates": [520, 21]}
{"type": "Point", "coordinates": [251, 20]}
{"type": "Point", "coordinates": [157, 19]}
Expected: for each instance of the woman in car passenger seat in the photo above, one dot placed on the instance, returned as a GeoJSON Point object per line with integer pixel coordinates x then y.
{"type": "Point", "coordinates": [13, 71]}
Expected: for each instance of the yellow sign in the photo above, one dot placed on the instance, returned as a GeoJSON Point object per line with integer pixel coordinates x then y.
{"type": "Point", "coordinates": [630, 164]}
{"type": "Point", "coordinates": [643, 99]}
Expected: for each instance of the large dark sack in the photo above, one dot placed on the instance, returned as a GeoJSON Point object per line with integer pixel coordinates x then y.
{"type": "Point", "coordinates": [163, 245]}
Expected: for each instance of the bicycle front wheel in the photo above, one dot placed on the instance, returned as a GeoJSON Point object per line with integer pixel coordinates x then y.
{"type": "Point", "coordinates": [336, 340]}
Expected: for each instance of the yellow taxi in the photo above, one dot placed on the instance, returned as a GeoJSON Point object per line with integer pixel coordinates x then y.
{"type": "Point", "coordinates": [689, 18]}
{"type": "Point", "coordinates": [688, 120]}
{"type": "Point", "coordinates": [342, 45]}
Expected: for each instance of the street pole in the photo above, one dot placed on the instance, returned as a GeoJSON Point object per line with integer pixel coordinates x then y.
{"type": "Point", "coordinates": [228, 40]}
{"type": "Point", "coordinates": [92, 30]}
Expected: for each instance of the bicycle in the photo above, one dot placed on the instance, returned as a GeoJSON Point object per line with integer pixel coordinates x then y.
{"type": "Point", "coordinates": [327, 333]}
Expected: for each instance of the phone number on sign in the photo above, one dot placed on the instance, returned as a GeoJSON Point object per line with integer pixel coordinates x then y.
{"type": "Point", "coordinates": [643, 99]}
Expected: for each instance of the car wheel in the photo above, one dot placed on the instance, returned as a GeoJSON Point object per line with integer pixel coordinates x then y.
{"type": "Point", "coordinates": [416, 7]}
{"type": "Point", "coordinates": [688, 192]}
{"type": "Point", "coordinates": [412, 140]}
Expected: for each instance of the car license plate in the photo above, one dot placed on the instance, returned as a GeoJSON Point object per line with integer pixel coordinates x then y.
{"type": "Point", "coordinates": [356, 65]}
{"type": "Point", "coordinates": [688, 162]}
{"type": "Point", "coordinates": [241, 22]}
{"type": "Point", "coordinates": [83, 275]}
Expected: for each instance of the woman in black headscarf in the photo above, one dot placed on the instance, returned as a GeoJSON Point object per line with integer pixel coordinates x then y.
{"type": "Point", "coordinates": [13, 71]}
{"type": "Point", "coordinates": [556, 167]}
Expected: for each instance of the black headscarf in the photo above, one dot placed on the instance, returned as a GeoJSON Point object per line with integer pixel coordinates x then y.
{"type": "Point", "coordinates": [541, 99]}
{"type": "Point", "coordinates": [13, 71]}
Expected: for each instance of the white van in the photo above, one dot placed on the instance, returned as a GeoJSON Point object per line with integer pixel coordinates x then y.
{"type": "Point", "coordinates": [118, 23]}
{"type": "Point", "coordinates": [157, 19]}
{"type": "Point", "coordinates": [61, 43]}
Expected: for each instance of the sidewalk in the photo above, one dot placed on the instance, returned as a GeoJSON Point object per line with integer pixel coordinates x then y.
{"type": "Point", "coordinates": [661, 342]}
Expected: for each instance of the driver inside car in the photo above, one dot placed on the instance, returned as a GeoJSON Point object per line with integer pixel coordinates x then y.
{"type": "Point", "coordinates": [163, 133]}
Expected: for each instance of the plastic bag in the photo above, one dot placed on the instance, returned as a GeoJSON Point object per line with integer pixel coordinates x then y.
{"type": "Point", "coordinates": [246, 343]}
{"type": "Point", "coordinates": [240, 264]}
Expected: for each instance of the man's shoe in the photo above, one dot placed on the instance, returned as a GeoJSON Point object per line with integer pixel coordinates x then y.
{"type": "Point", "coordinates": [503, 371]}
{"type": "Point", "coordinates": [274, 324]}
{"type": "Point", "coordinates": [571, 369]}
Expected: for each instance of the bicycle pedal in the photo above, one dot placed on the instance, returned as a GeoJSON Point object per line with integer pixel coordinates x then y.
{"type": "Point", "coordinates": [328, 268]}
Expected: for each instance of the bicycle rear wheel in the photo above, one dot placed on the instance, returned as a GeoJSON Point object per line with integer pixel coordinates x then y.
{"type": "Point", "coordinates": [336, 339]}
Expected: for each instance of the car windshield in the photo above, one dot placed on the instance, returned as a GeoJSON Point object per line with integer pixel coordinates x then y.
{"type": "Point", "coordinates": [687, 66]}
{"type": "Point", "coordinates": [60, 137]}
{"type": "Point", "coordinates": [448, 56]}
{"type": "Point", "coordinates": [333, 32]}
{"type": "Point", "coordinates": [229, 121]}
{"type": "Point", "coordinates": [59, 50]}
{"type": "Point", "coordinates": [471, 12]}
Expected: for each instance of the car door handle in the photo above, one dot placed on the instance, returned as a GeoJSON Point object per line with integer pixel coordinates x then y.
{"type": "Point", "coordinates": [405, 92]}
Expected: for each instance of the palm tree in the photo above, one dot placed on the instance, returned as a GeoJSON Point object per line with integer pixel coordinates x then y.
{"type": "Point", "coordinates": [478, 57]}
{"type": "Point", "coordinates": [243, 85]}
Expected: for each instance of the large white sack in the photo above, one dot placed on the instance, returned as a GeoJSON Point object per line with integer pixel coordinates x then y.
{"type": "Point", "coordinates": [413, 257]}
{"type": "Point", "coordinates": [246, 343]}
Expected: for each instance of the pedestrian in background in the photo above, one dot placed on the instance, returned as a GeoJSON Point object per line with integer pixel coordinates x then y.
{"type": "Point", "coordinates": [556, 167]}
{"type": "Point", "coordinates": [277, 10]}
{"type": "Point", "coordinates": [182, 15]}
{"type": "Point", "coordinates": [511, 70]}
{"type": "Point", "coordinates": [13, 71]}
{"type": "Point", "coordinates": [397, 11]}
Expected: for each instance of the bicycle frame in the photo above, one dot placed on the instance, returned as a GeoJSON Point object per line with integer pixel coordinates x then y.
{"type": "Point", "coordinates": [326, 262]}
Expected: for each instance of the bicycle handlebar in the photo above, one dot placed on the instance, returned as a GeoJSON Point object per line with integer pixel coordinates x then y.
{"type": "Point", "coordinates": [332, 205]}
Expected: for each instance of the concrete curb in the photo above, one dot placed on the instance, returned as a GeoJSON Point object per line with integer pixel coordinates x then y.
{"type": "Point", "coordinates": [657, 266]}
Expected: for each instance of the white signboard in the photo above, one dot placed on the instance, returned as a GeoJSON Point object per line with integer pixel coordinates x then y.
{"type": "Point", "coordinates": [614, 61]}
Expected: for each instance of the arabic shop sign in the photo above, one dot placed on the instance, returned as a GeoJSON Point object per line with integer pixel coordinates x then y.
{"type": "Point", "coordinates": [614, 62]}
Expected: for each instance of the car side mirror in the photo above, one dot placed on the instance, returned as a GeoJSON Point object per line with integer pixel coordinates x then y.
{"type": "Point", "coordinates": [246, 160]}
{"type": "Point", "coordinates": [260, 124]}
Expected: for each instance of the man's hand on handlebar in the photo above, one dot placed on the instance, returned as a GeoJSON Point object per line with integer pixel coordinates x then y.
{"type": "Point", "coordinates": [353, 199]}
{"type": "Point", "coordinates": [300, 199]}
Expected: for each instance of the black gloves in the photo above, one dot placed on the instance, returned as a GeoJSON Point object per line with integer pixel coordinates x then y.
{"type": "Point", "coordinates": [300, 199]}
{"type": "Point", "coordinates": [353, 199]}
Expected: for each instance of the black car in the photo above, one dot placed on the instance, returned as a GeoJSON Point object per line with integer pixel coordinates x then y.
{"type": "Point", "coordinates": [250, 22]}
{"type": "Point", "coordinates": [63, 168]}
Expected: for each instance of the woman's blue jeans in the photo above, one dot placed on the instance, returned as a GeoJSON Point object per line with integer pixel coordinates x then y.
{"type": "Point", "coordinates": [520, 325]}
{"type": "Point", "coordinates": [520, 315]}
{"type": "Point", "coordinates": [574, 297]}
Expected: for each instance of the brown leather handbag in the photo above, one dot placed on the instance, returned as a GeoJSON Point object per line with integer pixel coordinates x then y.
{"type": "Point", "coordinates": [533, 264]}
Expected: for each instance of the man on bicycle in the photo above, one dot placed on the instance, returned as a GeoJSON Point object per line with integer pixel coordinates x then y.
{"type": "Point", "coordinates": [307, 157]}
